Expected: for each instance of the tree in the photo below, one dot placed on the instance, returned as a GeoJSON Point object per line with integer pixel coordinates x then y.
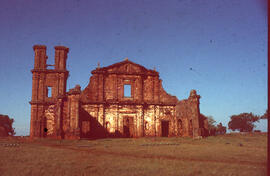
{"type": "Point", "coordinates": [243, 122]}
{"type": "Point", "coordinates": [211, 126]}
{"type": "Point", "coordinates": [211, 122]}
{"type": "Point", "coordinates": [6, 126]}
{"type": "Point", "coordinates": [221, 129]}
{"type": "Point", "coordinates": [265, 115]}
{"type": "Point", "coordinates": [211, 131]}
{"type": "Point", "coordinates": [214, 129]}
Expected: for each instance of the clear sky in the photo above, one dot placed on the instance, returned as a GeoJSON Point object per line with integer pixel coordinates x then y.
{"type": "Point", "coordinates": [218, 47]}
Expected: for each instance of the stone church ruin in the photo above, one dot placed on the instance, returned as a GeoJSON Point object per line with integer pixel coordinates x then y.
{"type": "Point", "coordinates": [121, 100]}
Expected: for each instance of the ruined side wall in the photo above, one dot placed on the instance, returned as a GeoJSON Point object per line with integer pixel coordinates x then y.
{"type": "Point", "coordinates": [184, 114]}
{"type": "Point", "coordinates": [188, 116]}
{"type": "Point", "coordinates": [165, 97]}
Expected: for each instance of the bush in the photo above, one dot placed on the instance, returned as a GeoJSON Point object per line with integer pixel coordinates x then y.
{"type": "Point", "coordinates": [6, 126]}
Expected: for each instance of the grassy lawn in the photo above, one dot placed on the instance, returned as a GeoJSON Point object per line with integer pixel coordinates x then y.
{"type": "Point", "coordinates": [230, 155]}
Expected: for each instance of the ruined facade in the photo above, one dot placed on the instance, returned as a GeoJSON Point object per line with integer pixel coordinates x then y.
{"type": "Point", "coordinates": [122, 100]}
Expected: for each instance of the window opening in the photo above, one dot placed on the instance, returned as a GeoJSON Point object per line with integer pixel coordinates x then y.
{"type": "Point", "coordinates": [127, 90]}
{"type": "Point", "coordinates": [49, 89]}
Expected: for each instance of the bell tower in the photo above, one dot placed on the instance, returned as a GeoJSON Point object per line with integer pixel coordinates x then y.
{"type": "Point", "coordinates": [48, 85]}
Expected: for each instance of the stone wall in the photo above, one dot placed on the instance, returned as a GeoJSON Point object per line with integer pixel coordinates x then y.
{"type": "Point", "coordinates": [189, 118]}
{"type": "Point", "coordinates": [102, 109]}
{"type": "Point", "coordinates": [43, 79]}
{"type": "Point", "coordinates": [141, 110]}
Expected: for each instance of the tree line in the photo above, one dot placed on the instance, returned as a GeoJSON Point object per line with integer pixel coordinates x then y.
{"type": "Point", "coordinates": [243, 122]}
{"type": "Point", "coordinates": [214, 129]}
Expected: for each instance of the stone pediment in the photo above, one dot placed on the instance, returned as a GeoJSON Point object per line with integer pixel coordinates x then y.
{"type": "Point", "coordinates": [125, 67]}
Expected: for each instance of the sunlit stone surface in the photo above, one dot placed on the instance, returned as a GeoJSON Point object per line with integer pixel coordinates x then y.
{"type": "Point", "coordinates": [103, 109]}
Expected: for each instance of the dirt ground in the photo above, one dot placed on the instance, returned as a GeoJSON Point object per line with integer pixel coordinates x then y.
{"type": "Point", "coordinates": [230, 155]}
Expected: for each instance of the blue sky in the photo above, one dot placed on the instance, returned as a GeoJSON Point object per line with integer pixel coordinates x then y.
{"type": "Point", "coordinates": [218, 47]}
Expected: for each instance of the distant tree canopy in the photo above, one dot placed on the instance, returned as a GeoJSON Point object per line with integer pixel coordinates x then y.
{"type": "Point", "coordinates": [211, 122]}
{"type": "Point", "coordinates": [265, 115]}
{"type": "Point", "coordinates": [221, 129]}
{"type": "Point", "coordinates": [214, 129]}
{"type": "Point", "coordinates": [6, 126]}
{"type": "Point", "coordinates": [243, 122]}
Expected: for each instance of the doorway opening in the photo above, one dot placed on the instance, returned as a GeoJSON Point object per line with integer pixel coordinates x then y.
{"type": "Point", "coordinates": [165, 128]}
{"type": "Point", "coordinates": [128, 127]}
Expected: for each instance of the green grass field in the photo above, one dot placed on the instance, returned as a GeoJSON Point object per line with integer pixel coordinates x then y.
{"type": "Point", "coordinates": [230, 155]}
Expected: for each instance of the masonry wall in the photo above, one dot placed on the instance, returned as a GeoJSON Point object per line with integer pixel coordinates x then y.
{"type": "Point", "coordinates": [145, 121]}
{"type": "Point", "coordinates": [188, 116]}
{"type": "Point", "coordinates": [42, 80]}
{"type": "Point", "coordinates": [102, 109]}
{"type": "Point", "coordinates": [142, 108]}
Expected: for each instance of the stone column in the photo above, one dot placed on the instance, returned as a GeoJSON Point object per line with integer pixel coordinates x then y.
{"type": "Point", "coordinates": [59, 119]}
{"type": "Point", "coordinates": [101, 115]}
{"type": "Point", "coordinates": [194, 105]}
{"type": "Point", "coordinates": [157, 120]}
{"type": "Point", "coordinates": [142, 121]}
{"type": "Point", "coordinates": [35, 81]}
{"type": "Point", "coordinates": [41, 87]}
{"type": "Point", "coordinates": [74, 95]}
{"type": "Point", "coordinates": [33, 127]}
